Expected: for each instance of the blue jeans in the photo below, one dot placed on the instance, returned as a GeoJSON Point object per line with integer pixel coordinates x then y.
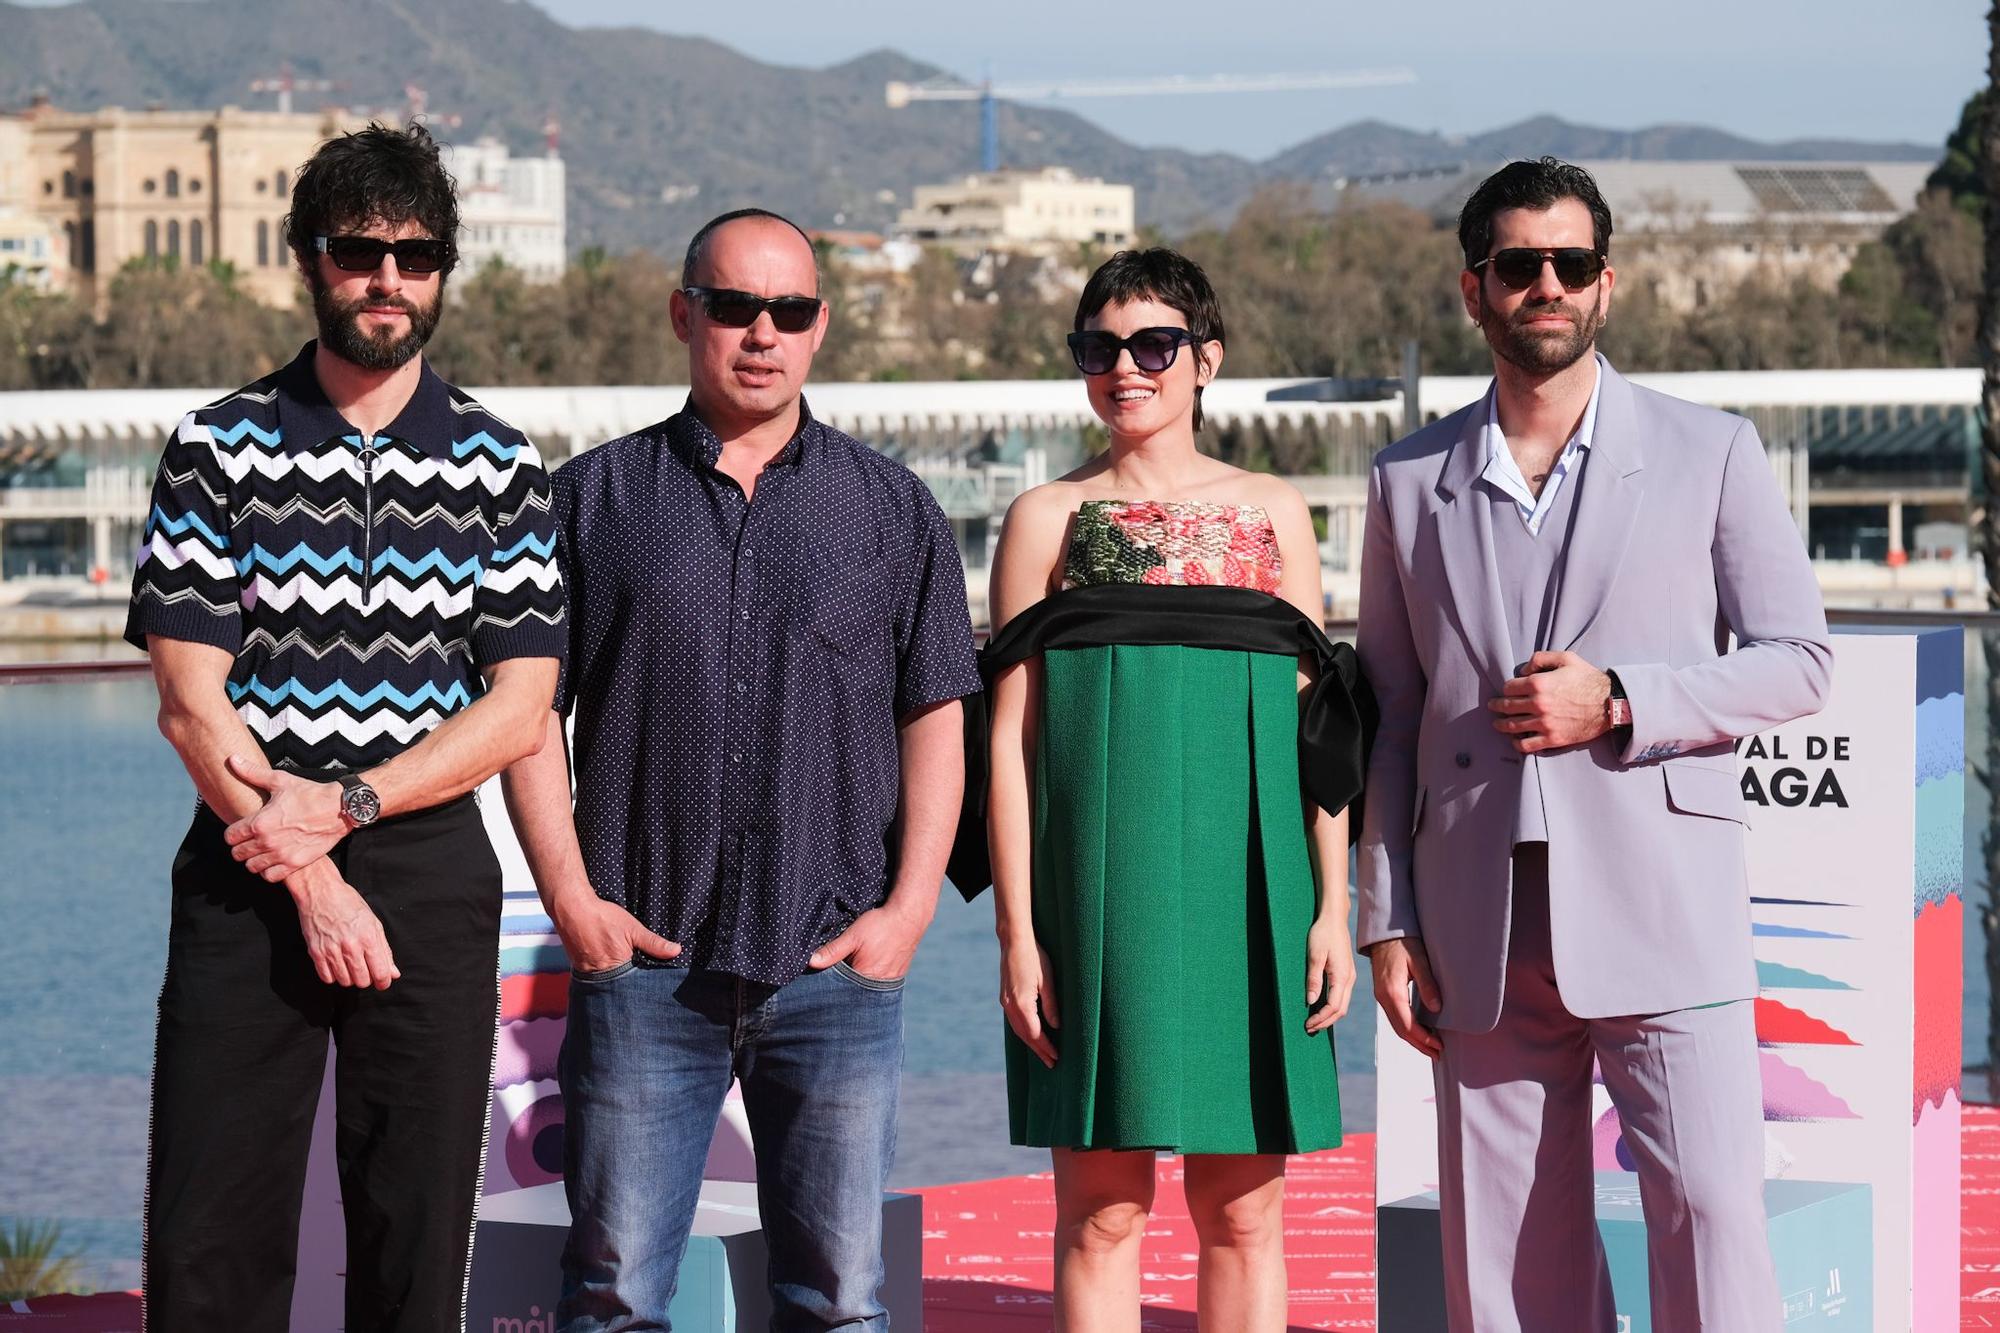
{"type": "Point", "coordinates": [646, 1062]}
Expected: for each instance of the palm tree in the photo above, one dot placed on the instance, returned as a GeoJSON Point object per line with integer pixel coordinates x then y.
{"type": "Point", "coordinates": [1988, 158]}
{"type": "Point", "coordinates": [28, 1263]}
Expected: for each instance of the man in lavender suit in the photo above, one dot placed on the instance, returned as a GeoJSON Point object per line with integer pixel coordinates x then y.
{"type": "Point", "coordinates": [1552, 850]}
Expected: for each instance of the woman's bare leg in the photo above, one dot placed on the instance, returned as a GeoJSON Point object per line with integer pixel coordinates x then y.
{"type": "Point", "coordinates": [1238, 1207]}
{"type": "Point", "coordinates": [1103, 1199]}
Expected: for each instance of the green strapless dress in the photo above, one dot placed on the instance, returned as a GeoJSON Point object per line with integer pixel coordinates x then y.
{"type": "Point", "coordinates": [1172, 885]}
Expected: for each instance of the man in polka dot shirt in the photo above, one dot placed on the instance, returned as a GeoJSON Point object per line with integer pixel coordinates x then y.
{"type": "Point", "coordinates": [768, 643]}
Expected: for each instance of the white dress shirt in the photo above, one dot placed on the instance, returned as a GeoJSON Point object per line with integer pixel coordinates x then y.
{"type": "Point", "coordinates": [1503, 472]}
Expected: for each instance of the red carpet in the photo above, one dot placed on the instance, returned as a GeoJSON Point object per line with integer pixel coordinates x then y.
{"type": "Point", "coordinates": [987, 1266]}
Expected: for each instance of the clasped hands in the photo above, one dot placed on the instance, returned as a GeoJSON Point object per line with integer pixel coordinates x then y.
{"type": "Point", "coordinates": [1555, 700]}
{"type": "Point", "coordinates": [300, 822]}
{"type": "Point", "coordinates": [288, 841]}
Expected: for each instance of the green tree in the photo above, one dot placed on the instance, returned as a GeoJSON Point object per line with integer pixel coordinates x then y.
{"type": "Point", "coordinates": [851, 350]}
{"type": "Point", "coordinates": [1961, 174]}
{"type": "Point", "coordinates": [167, 326]}
{"type": "Point", "coordinates": [1937, 247]}
{"type": "Point", "coordinates": [496, 330]}
{"type": "Point", "coordinates": [1881, 325]}
{"type": "Point", "coordinates": [1029, 313]}
{"type": "Point", "coordinates": [1308, 292]}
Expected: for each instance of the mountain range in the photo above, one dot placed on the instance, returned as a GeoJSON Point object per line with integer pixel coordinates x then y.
{"type": "Point", "coordinates": [660, 132]}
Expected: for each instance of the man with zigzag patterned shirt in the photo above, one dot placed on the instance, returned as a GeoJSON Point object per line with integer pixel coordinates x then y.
{"type": "Point", "coordinates": [348, 590]}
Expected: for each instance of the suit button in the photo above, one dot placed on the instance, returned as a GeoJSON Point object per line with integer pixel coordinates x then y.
{"type": "Point", "coordinates": [1464, 761]}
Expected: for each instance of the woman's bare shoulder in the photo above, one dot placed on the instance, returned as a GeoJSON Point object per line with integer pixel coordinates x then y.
{"type": "Point", "coordinates": [1268, 491]}
{"type": "Point", "coordinates": [1050, 502]}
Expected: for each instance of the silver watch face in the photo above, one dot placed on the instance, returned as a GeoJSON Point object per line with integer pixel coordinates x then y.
{"type": "Point", "coordinates": [361, 804]}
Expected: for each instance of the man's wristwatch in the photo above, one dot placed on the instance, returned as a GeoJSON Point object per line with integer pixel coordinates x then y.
{"type": "Point", "coordinates": [1617, 708]}
{"type": "Point", "coordinates": [359, 804]}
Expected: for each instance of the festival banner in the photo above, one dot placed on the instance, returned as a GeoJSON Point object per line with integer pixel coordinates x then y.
{"type": "Point", "coordinates": [1855, 848]}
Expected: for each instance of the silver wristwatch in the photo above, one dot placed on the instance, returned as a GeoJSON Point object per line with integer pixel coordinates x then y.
{"type": "Point", "coordinates": [359, 803]}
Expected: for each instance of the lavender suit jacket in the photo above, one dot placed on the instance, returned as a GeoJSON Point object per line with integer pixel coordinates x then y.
{"type": "Point", "coordinates": [1682, 540]}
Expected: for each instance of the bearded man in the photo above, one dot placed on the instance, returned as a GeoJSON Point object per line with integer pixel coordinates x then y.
{"type": "Point", "coordinates": [1552, 851]}
{"type": "Point", "coordinates": [349, 593]}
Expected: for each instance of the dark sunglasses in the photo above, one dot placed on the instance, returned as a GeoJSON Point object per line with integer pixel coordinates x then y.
{"type": "Point", "coordinates": [739, 310]}
{"type": "Point", "coordinates": [363, 254]}
{"type": "Point", "coordinates": [1153, 350]}
{"type": "Point", "coordinates": [1520, 268]}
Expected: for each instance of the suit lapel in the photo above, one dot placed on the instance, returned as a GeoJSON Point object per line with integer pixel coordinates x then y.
{"type": "Point", "coordinates": [1465, 539]}
{"type": "Point", "coordinates": [1614, 482]}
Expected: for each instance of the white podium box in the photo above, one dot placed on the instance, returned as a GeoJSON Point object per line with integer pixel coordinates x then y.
{"type": "Point", "coordinates": [1819, 1237]}
{"type": "Point", "coordinates": [517, 1256]}
{"type": "Point", "coordinates": [1855, 848]}
{"type": "Point", "coordinates": [522, 1187]}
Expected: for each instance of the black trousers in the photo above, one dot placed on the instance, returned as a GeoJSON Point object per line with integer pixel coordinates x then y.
{"type": "Point", "coordinates": [241, 1054]}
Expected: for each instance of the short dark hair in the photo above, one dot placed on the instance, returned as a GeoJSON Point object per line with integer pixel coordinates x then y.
{"type": "Point", "coordinates": [377, 174]}
{"type": "Point", "coordinates": [1162, 275]}
{"type": "Point", "coordinates": [696, 246]}
{"type": "Point", "coordinates": [1540, 184]}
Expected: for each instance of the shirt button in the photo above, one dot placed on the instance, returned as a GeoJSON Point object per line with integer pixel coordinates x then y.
{"type": "Point", "coordinates": [746, 615]}
{"type": "Point", "coordinates": [1464, 761]}
{"type": "Point", "coordinates": [740, 687]}
{"type": "Point", "coordinates": [736, 756]}
{"type": "Point", "coordinates": [749, 553]}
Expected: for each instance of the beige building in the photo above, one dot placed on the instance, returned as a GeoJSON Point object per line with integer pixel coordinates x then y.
{"type": "Point", "coordinates": [116, 185]}
{"type": "Point", "coordinates": [1032, 212]}
{"type": "Point", "coordinates": [1694, 230]}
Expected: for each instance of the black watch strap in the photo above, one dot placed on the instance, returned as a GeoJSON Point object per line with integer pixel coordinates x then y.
{"type": "Point", "coordinates": [358, 801]}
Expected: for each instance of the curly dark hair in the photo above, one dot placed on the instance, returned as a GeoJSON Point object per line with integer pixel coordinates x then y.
{"type": "Point", "coordinates": [1162, 275]}
{"type": "Point", "coordinates": [1540, 185]}
{"type": "Point", "coordinates": [377, 174]}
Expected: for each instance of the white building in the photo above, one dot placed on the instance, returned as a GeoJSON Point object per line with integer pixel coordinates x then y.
{"type": "Point", "coordinates": [511, 209]}
{"type": "Point", "coordinates": [30, 253]}
{"type": "Point", "coordinates": [1033, 212]}
{"type": "Point", "coordinates": [1691, 230]}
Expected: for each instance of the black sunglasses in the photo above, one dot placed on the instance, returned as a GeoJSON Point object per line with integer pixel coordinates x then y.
{"type": "Point", "coordinates": [1153, 350]}
{"type": "Point", "coordinates": [363, 254]}
{"type": "Point", "coordinates": [739, 310]}
{"type": "Point", "coordinates": [1519, 268]}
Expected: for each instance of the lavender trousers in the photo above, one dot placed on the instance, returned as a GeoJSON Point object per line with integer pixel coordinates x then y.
{"type": "Point", "coordinates": [1521, 1248]}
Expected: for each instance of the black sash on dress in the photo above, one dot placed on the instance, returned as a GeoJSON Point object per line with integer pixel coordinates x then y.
{"type": "Point", "coordinates": [1336, 723]}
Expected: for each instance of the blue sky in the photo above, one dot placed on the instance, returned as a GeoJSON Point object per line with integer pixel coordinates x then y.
{"type": "Point", "coordinates": [1771, 69]}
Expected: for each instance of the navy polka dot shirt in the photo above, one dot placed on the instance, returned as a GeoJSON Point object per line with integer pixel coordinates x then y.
{"type": "Point", "coordinates": [737, 669]}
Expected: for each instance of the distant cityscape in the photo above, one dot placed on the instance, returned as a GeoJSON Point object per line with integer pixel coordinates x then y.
{"type": "Point", "coordinates": [84, 194]}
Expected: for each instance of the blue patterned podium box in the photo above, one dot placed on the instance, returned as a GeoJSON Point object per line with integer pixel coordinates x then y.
{"type": "Point", "coordinates": [517, 1262]}
{"type": "Point", "coordinates": [1820, 1239]}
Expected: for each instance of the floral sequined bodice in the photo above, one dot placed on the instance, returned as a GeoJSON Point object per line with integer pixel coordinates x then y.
{"type": "Point", "coordinates": [1188, 542]}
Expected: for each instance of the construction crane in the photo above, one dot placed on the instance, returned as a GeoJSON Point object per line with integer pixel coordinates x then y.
{"type": "Point", "coordinates": [988, 94]}
{"type": "Point", "coordinates": [284, 84]}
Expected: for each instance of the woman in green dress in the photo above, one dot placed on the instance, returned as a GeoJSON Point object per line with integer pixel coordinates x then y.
{"type": "Point", "coordinates": [1174, 744]}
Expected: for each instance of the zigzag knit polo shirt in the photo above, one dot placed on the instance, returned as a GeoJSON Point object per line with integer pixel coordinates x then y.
{"type": "Point", "coordinates": [362, 584]}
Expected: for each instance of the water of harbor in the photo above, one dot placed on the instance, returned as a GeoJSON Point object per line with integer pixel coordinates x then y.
{"type": "Point", "coordinates": [92, 804]}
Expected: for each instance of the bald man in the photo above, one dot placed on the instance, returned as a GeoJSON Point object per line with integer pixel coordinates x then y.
{"type": "Point", "coordinates": [768, 644]}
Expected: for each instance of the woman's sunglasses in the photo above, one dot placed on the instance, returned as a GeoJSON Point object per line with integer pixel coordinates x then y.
{"type": "Point", "coordinates": [363, 254]}
{"type": "Point", "coordinates": [1520, 268]}
{"type": "Point", "coordinates": [739, 310]}
{"type": "Point", "coordinates": [1153, 350]}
